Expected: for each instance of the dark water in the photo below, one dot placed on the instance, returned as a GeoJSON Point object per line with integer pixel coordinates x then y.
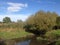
{"type": "Point", "coordinates": [23, 43]}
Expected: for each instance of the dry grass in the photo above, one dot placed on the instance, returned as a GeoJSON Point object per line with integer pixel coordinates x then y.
{"type": "Point", "coordinates": [11, 30]}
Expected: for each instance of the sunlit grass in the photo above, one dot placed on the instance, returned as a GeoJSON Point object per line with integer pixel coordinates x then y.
{"type": "Point", "coordinates": [12, 30]}
{"type": "Point", "coordinates": [15, 34]}
{"type": "Point", "coordinates": [54, 34]}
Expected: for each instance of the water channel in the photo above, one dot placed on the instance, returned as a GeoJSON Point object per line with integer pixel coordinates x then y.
{"type": "Point", "coordinates": [23, 43]}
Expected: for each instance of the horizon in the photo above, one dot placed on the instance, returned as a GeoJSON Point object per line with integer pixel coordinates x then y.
{"type": "Point", "coordinates": [22, 9]}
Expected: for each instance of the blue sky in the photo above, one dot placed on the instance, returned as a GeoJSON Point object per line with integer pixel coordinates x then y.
{"type": "Point", "coordinates": [22, 9]}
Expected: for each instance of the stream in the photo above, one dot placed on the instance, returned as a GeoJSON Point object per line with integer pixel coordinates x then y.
{"type": "Point", "coordinates": [23, 42]}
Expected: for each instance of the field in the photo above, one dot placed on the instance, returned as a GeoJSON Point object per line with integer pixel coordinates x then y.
{"type": "Point", "coordinates": [9, 31]}
{"type": "Point", "coordinates": [10, 35]}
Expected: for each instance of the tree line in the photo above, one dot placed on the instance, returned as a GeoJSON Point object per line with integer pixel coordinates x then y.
{"type": "Point", "coordinates": [39, 21]}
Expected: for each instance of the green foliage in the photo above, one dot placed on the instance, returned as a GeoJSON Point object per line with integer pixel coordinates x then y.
{"type": "Point", "coordinates": [58, 21]}
{"type": "Point", "coordinates": [53, 35]}
{"type": "Point", "coordinates": [11, 35]}
{"type": "Point", "coordinates": [58, 42]}
{"type": "Point", "coordinates": [44, 20]}
{"type": "Point", "coordinates": [11, 26]}
{"type": "Point", "coordinates": [20, 23]}
{"type": "Point", "coordinates": [6, 20]}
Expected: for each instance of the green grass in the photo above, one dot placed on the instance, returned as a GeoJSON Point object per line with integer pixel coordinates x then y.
{"type": "Point", "coordinates": [54, 34]}
{"type": "Point", "coordinates": [15, 34]}
{"type": "Point", "coordinates": [12, 30]}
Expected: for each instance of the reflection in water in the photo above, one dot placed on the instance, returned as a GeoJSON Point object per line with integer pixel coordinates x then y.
{"type": "Point", "coordinates": [23, 43]}
{"type": "Point", "coordinates": [32, 41]}
{"type": "Point", "coordinates": [29, 42]}
{"type": "Point", "coordinates": [26, 42]}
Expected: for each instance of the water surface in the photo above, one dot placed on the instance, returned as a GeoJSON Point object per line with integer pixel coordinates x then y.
{"type": "Point", "coordinates": [23, 42]}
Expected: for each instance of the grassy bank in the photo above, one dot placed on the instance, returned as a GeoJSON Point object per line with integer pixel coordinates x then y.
{"type": "Point", "coordinates": [10, 35]}
{"type": "Point", "coordinates": [12, 30]}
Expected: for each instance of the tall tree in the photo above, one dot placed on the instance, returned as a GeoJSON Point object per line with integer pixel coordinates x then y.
{"type": "Point", "coordinates": [41, 21]}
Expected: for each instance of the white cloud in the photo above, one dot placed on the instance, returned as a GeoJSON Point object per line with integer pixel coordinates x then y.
{"type": "Point", "coordinates": [14, 7]}
{"type": "Point", "coordinates": [15, 17]}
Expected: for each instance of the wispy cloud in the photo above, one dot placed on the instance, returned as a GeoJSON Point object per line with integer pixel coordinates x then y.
{"type": "Point", "coordinates": [14, 7]}
{"type": "Point", "coordinates": [51, 2]}
{"type": "Point", "coordinates": [45, 1]}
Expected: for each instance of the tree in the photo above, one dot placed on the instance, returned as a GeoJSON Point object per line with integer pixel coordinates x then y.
{"type": "Point", "coordinates": [41, 21]}
{"type": "Point", "coordinates": [58, 21]}
{"type": "Point", "coordinates": [6, 20]}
